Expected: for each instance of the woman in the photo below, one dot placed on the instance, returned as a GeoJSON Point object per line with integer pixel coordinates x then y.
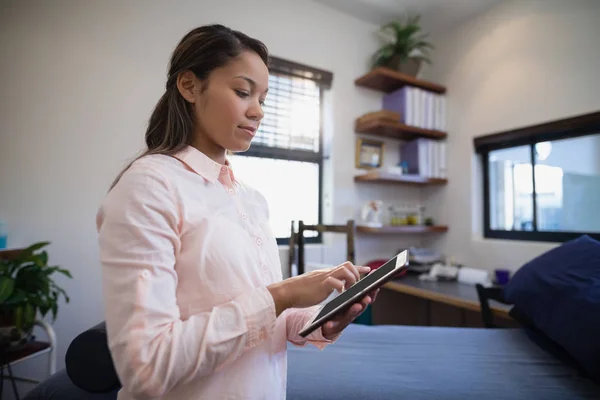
{"type": "Point", "coordinates": [196, 307]}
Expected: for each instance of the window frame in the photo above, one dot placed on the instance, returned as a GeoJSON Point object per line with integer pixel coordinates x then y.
{"type": "Point", "coordinates": [324, 80]}
{"type": "Point", "coordinates": [569, 128]}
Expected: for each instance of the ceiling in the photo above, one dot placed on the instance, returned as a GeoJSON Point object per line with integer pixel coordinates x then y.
{"type": "Point", "coordinates": [436, 15]}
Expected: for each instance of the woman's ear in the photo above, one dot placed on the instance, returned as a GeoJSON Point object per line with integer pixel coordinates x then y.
{"type": "Point", "coordinates": [188, 85]}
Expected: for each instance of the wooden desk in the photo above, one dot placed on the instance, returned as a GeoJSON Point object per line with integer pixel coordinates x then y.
{"type": "Point", "coordinates": [409, 301]}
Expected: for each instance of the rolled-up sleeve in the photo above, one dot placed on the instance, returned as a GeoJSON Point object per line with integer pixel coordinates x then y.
{"type": "Point", "coordinates": [296, 319]}
{"type": "Point", "coordinates": [152, 347]}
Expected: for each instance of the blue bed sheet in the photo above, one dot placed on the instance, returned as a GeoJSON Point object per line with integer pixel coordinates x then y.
{"type": "Point", "coordinates": [425, 363]}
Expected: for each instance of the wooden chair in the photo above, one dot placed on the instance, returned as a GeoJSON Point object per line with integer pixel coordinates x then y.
{"type": "Point", "coordinates": [485, 294]}
{"type": "Point", "coordinates": [297, 240]}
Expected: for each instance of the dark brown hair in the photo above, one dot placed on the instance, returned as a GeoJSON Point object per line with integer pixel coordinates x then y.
{"type": "Point", "coordinates": [201, 51]}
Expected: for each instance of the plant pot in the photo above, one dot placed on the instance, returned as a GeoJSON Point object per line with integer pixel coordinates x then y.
{"type": "Point", "coordinates": [410, 67]}
{"type": "Point", "coordinates": [10, 335]}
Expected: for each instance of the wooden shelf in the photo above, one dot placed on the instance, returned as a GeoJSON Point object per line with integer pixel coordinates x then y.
{"type": "Point", "coordinates": [395, 129]}
{"type": "Point", "coordinates": [382, 177]}
{"type": "Point", "coordinates": [387, 80]}
{"type": "Point", "coordinates": [10, 254]}
{"type": "Point", "coordinates": [391, 229]}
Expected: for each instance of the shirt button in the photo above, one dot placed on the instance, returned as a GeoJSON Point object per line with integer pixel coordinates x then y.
{"type": "Point", "coordinates": [265, 267]}
{"type": "Point", "coordinates": [145, 274]}
{"type": "Point", "coordinates": [258, 241]}
{"type": "Point", "coordinates": [244, 216]}
{"type": "Point", "coordinates": [231, 191]}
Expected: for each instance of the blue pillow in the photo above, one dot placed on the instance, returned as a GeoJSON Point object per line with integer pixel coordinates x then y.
{"type": "Point", "coordinates": [559, 292]}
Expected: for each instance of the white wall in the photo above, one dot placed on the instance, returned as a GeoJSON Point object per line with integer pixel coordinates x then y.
{"type": "Point", "coordinates": [79, 81]}
{"type": "Point", "coordinates": [524, 62]}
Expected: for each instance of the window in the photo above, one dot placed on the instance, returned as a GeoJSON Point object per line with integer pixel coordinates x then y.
{"type": "Point", "coordinates": [543, 183]}
{"type": "Point", "coordinates": [285, 160]}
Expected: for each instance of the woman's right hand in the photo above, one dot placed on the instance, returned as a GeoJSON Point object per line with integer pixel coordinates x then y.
{"type": "Point", "coordinates": [313, 287]}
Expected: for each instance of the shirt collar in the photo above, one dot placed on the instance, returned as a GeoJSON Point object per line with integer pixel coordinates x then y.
{"type": "Point", "coordinates": [203, 165]}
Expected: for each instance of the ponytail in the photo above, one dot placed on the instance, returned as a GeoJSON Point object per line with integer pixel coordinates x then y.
{"type": "Point", "coordinates": [170, 127]}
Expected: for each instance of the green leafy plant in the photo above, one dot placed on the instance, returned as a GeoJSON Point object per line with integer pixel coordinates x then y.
{"type": "Point", "coordinates": [405, 41]}
{"type": "Point", "coordinates": [27, 287]}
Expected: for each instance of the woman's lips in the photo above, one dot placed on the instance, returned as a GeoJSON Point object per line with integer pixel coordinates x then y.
{"type": "Point", "coordinates": [249, 129]}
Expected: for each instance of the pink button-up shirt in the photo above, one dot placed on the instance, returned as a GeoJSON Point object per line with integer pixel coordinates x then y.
{"type": "Point", "coordinates": [187, 254]}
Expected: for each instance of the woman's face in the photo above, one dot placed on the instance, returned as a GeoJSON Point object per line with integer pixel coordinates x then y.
{"type": "Point", "coordinates": [228, 105]}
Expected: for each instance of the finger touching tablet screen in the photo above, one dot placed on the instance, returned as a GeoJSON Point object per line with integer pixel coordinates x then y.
{"type": "Point", "coordinates": [356, 292]}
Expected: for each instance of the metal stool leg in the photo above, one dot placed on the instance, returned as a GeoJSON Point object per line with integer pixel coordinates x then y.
{"type": "Point", "coordinates": [2, 379]}
{"type": "Point", "coordinates": [12, 380]}
{"type": "Point", "coordinates": [52, 338]}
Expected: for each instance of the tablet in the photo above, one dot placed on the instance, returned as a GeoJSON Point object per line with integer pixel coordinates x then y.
{"type": "Point", "coordinates": [356, 292]}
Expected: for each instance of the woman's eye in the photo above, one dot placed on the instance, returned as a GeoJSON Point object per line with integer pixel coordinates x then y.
{"type": "Point", "coordinates": [262, 103]}
{"type": "Point", "coordinates": [242, 93]}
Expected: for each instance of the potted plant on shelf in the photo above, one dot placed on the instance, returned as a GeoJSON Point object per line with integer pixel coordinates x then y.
{"type": "Point", "coordinates": [405, 46]}
{"type": "Point", "coordinates": [27, 288]}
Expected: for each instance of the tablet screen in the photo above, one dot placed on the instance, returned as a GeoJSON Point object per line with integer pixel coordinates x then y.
{"type": "Point", "coordinates": [358, 287]}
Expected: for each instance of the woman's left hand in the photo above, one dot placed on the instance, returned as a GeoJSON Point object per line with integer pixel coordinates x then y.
{"type": "Point", "coordinates": [339, 323]}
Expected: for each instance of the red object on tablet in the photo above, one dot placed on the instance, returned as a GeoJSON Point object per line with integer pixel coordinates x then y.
{"type": "Point", "coordinates": [378, 263]}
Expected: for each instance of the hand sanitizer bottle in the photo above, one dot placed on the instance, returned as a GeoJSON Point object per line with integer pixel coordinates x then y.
{"type": "Point", "coordinates": [3, 234]}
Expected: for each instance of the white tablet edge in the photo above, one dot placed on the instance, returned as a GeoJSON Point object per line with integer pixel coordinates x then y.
{"type": "Point", "coordinates": [401, 260]}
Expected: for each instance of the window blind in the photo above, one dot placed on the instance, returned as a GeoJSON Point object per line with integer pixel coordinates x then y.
{"type": "Point", "coordinates": [321, 77]}
{"type": "Point", "coordinates": [288, 144]}
{"type": "Point", "coordinates": [292, 114]}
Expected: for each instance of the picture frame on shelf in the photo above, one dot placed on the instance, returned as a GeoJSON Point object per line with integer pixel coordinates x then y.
{"type": "Point", "coordinates": [369, 153]}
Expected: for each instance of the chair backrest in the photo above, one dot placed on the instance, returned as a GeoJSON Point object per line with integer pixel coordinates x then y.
{"type": "Point", "coordinates": [297, 240]}
{"type": "Point", "coordinates": [485, 294]}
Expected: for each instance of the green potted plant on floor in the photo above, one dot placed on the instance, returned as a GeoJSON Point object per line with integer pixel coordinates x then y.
{"type": "Point", "coordinates": [27, 288]}
{"type": "Point", "coordinates": [404, 46]}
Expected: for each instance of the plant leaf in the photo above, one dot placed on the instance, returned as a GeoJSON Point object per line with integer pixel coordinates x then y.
{"type": "Point", "coordinates": [66, 273]}
{"type": "Point", "coordinates": [28, 252]}
{"type": "Point", "coordinates": [7, 286]}
{"type": "Point", "coordinates": [19, 317]}
{"type": "Point", "coordinates": [54, 311]}
{"type": "Point", "coordinates": [29, 316]}
{"type": "Point", "coordinates": [44, 309]}
{"type": "Point", "coordinates": [19, 296]}
{"type": "Point", "coordinates": [36, 246]}
{"type": "Point", "coordinates": [43, 258]}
